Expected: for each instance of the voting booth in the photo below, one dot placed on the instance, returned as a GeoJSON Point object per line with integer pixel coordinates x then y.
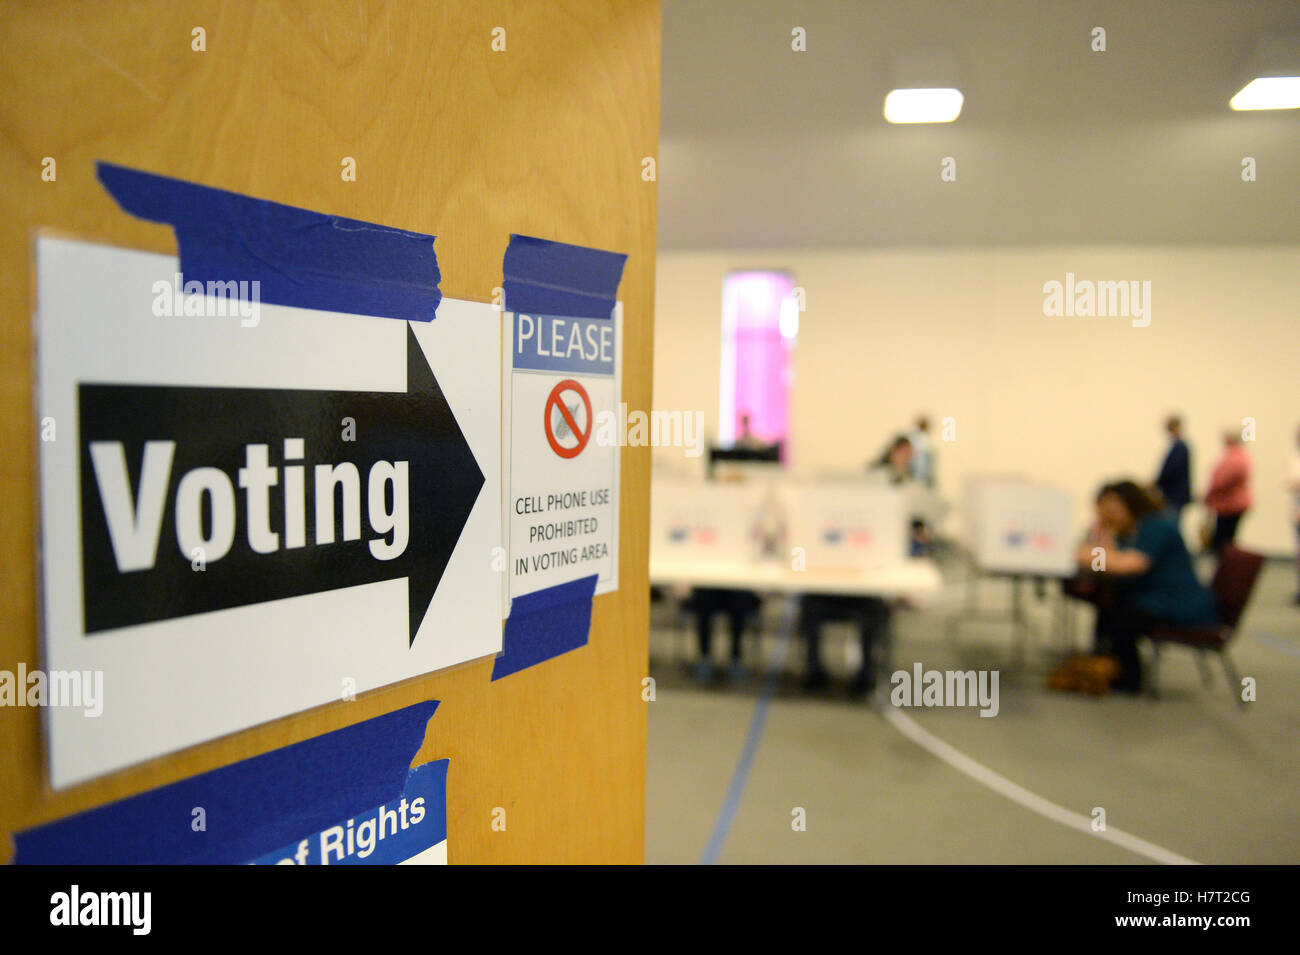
{"type": "Point", "coordinates": [274, 548]}
{"type": "Point", "coordinates": [849, 525]}
{"type": "Point", "coordinates": [1018, 527]}
{"type": "Point", "coordinates": [705, 520]}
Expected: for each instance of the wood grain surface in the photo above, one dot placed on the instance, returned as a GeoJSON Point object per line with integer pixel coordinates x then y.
{"type": "Point", "coordinates": [450, 138]}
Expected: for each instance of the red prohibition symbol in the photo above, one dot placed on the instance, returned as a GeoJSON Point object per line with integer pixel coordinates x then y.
{"type": "Point", "coordinates": [555, 401]}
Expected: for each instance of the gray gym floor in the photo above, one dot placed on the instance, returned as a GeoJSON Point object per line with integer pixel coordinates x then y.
{"type": "Point", "coordinates": [1189, 774]}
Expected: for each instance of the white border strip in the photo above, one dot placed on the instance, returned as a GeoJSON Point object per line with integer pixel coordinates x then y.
{"type": "Point", "coordinates": [1032, 801]}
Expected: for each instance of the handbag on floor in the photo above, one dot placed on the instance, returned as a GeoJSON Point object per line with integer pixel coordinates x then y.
{"type": "Point", "coordinates": [1082, 673]}
{"type": "Point", "coordinates": [1205, 532]}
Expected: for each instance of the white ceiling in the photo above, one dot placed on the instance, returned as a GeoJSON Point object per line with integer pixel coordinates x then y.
{"type": "Point", "coordinates": [762, 147]}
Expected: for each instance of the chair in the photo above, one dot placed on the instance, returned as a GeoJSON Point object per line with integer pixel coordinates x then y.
{"type": "Point", "coordinates": [1234, 579]}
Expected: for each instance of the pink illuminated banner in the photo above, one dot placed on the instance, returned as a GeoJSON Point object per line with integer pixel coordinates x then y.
{"type": "Point", "coordinates": [759, 324]}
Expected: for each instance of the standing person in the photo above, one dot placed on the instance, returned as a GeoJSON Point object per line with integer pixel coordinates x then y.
{"type": "Point", "coordinates": [1293, 485]}
{"type": "Point", "coordinates": [1229, 494]}
{"type": "Point", "coordinates": [1175, 477]}
{"type": "Point", "coordinates": [922, 452]}
{"type": "Point", "coordinates": [1146, 557]}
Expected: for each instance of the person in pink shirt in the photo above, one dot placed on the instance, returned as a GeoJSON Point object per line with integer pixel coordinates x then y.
{"type": "Point", "coordinates": [1229, 493]}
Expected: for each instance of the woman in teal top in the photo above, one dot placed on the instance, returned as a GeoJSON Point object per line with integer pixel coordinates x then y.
{"type": "Point", "coordinates": [1137, 543]}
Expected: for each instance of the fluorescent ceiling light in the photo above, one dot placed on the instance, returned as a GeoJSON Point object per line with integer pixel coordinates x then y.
{"type": "Point", "coordinates": [1268, 92]}
{"type": "Point", "coordinates": [923, 106]}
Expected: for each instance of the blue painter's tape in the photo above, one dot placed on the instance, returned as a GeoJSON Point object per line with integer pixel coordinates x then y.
{"type": "Point", "coordinates": [251, 808]}
{"type": "Point", "coordinates": [301, 258]}
{"type": "Point", "coordinates": [395, 832]}
{"type": "Point", "coordinates": [544, 624]}
{"type": "Point", "coordinates": [555, 278]}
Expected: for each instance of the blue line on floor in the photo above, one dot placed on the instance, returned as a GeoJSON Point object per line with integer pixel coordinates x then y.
{"type": "Point", "coordinates": [736, 789]}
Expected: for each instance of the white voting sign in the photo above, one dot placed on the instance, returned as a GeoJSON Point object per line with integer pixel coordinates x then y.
{"type": "Point", "coordinates": [565, 384]}
{"type": "Point", "coordinates": [704, 521]}
{"type": "Point", "coordinates": [249, 512]}
{"type": "Point", "coordinates": [1021, 528]}
{"type": "Point", "coordinates": [847, 524]}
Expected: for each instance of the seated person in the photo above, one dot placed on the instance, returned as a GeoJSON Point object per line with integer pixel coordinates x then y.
{"type": "Point", "coordinates": [1137, 545]}
{"type": "Point", "coordinates": [894, 466]}
{"type": "Point", "coordinates": [747, 440]}
{"type": "Point", "coordinates": [921, 541]}
{"type": "Point", "coordinates": [738, 605]}
{"type": "Point", "coordinates": [871, 614]}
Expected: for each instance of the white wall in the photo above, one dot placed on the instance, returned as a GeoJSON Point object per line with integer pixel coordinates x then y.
{"type": "Point", "coordinates": [961, 334]}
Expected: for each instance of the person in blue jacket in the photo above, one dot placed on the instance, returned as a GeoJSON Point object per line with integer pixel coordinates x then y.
{"type": "Point", "coordinates": [1137, 543]}
{"type": "Point", "coordinates": [1175, 478]}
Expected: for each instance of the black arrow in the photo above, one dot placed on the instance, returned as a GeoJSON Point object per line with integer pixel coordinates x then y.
{"type": "Point", "coordinates": [211, 427]}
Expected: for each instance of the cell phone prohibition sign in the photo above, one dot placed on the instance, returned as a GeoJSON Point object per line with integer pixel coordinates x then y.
{"type": "Point", "coordinates": [551, 424]}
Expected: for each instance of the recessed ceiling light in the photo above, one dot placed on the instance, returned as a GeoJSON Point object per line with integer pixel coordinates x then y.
{"type": "Point", "coordinates": [923, 105]}
{"type": "Point", "coordinates": [1268, 92]}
